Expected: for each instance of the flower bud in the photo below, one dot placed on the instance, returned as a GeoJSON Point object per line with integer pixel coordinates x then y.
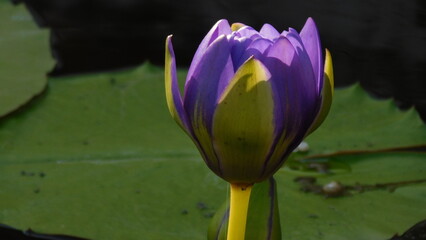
{"type": "Point", "coordinates": [251, 97]}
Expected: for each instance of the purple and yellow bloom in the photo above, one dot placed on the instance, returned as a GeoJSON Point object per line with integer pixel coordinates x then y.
{"type": "Point", "coordinates": [251, 97]}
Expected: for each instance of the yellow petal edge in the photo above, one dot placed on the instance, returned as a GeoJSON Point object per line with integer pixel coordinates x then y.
{"type": "Point", "coordinates": [169, 66]}
{"type": "Point", "coordinates": [327, 92]}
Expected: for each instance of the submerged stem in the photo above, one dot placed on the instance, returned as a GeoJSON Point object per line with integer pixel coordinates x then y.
{"type": "Point", "coordinates": [240, 196]}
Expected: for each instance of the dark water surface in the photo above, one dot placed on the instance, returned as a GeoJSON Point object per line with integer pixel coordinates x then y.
{"type": "Point", "coordinates": [381, 44]}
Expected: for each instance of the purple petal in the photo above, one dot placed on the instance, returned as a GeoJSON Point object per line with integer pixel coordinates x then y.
{"type": "Point", "coordinates": [301, 51]}
{"type": "Point", "coordinates": [296, 99]}
{"type": "Point", "coordinates": [172, 88]}
{"type": "Point", "coordinates": [248, 32]}
{"type": "Point", "coordinates": [207, 82]}
{"type": "Point", "coordinates": [294, 37]}
{"type": "Point", "coordinates": [256, 48]}
{"type": "Point", "coordinates": [239, 46]}
{"type": "Point", "coordinates": [269, 32]}
{"type": "Point", "coordinates": [311, 40]}
{"type": "Point", "coordinates": [294, 77]}
{"type": "Point", "coordinates": [212, 74]}
{"type": "Point", "coordinates": [220, 28]}
{"type": "Point", "coordinates": [279, 58]}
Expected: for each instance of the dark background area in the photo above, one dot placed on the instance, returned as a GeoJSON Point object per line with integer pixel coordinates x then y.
{"type": "Point", "coordinates": [381, 44]}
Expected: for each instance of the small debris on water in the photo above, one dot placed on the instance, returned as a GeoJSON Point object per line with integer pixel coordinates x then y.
{"type": "Point", "coordinates": [208, 214]}
{"type": "Point", "coordinates": [319, 167]}
{"type": "Point", "coordinates": [32, 174]}
{"type": "Point", "coordinates": [335, 189]}
{"type": "Point", "coordinates": [201, 205]}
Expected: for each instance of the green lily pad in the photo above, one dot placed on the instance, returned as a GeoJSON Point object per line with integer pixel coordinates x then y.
{"type": "Point", "coordinates": [98, 116]}
{"type": "Point", "coordinates": [156, 198]}
{"type": "Point", "coordinates": [142, 198]}
{"type": "Point", "coordinates": [24, 59]}
{"type": "Point", "coordinates": [376, 214]}
{"type": "Point", "coordinates": [357, 122]}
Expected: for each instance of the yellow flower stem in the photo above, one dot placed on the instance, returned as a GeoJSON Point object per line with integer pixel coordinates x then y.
{"type": "Point", "coordinates": [240, 196]}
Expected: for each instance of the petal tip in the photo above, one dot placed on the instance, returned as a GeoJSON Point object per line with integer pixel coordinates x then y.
{"type": "Point", "coordinates": [310, 21]}
{"type": "Point", "coordinates": [310, 25]}
{"type": "Point", "coordinates": [222, 26]}
{"type": "Point", "coordinates": [236, 26]}
{"type": "Point", "coordinates": [252, 60]}
{"type": "Point", "coordinates": [170, 54]}
{"type": "Point", "coordinates": [169, 41]}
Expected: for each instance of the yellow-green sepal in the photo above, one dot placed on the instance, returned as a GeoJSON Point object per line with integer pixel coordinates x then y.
{"type": "Point", "coordinates": [326, 93]}
{"type": "Point", "coordinates": [243, 123]}
{"type": "Point", "coordinates": [173, 97]}
{"type": "Point", "coordinates": [218, 226]}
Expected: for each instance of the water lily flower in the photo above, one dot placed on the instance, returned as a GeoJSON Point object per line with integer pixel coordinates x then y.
{"type": "Point", "coordinates": [251, 97]}
{"type": "Point", "coordinates": [249, 100]}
